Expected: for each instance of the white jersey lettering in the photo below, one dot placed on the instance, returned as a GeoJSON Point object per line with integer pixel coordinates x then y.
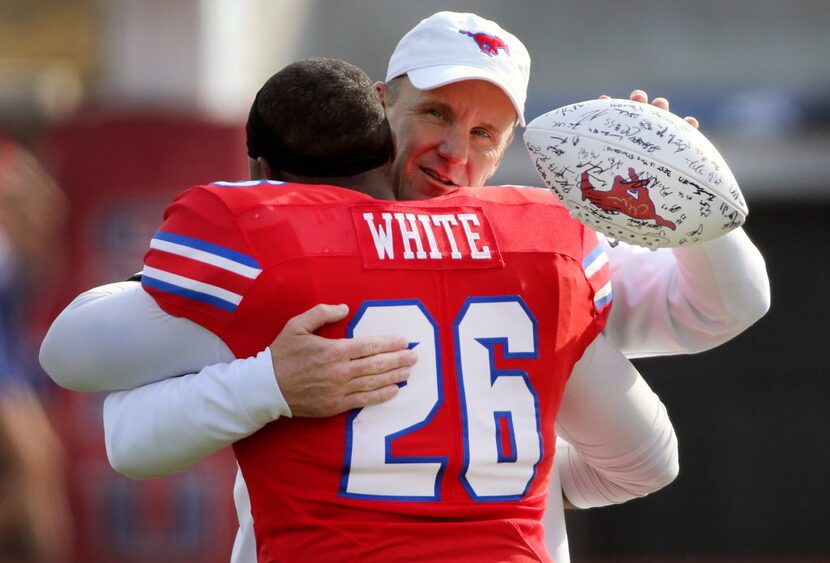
{"type": "Point", "coordinates": [382, 238]}
{"type": "Point", "coordinates": [410, 234]}
{"type": "Point", "coordinates": [426, 224]}
{"type": "Point", "coordinates": [460, 237]}
{"type": "Point", "coordinates": [447, 222]}
{"type": "Point", "coordinates": [467, 221]}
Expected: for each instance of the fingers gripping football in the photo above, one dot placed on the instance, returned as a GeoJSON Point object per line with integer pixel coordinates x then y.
{"type": "Point", "coordinates": [662, 103]}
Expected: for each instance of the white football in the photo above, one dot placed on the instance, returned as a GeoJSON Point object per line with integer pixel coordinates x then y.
{"type": "Point", "coordinates": [635, 172]}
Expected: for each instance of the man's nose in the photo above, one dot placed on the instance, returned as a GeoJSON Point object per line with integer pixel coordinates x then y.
{"type": "Point", "coordinates": [454, 147]}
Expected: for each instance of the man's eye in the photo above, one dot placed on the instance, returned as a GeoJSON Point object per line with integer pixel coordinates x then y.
{"type": "Point", "coordinates": [435, 113]}
{"type": "Point", "coordinates": [482, 133]}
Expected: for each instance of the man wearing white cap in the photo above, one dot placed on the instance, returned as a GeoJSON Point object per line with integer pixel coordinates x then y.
{"type": "Point", "coordinates": [455, 92]}
{"type": "Point", "coordinates": [455, 88]}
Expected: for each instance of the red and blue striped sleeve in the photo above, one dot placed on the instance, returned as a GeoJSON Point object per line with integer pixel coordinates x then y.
{"type": "Point", "coordinates": [597, 270]}
{"type": "Point", "coordinates": [200, 265]}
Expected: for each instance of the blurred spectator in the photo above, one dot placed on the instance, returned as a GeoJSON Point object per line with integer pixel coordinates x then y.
{"type": "Point", "coordinates": [34, 516]}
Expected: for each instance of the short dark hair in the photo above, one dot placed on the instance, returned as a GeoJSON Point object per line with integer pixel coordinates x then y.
{"type": "Point", "coordinates": [319, 117]}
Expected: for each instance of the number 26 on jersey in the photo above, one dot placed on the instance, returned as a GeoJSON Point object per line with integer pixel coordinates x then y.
{"type": "Point", "coordinates": [499, 408]}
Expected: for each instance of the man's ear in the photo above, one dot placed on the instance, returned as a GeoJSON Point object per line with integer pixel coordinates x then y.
{"type": "Point", "coordinates": [380, 88]}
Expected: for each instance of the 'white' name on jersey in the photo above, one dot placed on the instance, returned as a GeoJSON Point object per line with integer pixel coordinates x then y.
{"type": "Point", "coordinates": [442, 237]}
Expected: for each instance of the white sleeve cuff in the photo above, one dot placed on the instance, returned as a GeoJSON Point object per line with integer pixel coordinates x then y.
{"type": "Point", "coordinates": [257, 389]}
{"type": "Point", "coordinates": [169, 425]}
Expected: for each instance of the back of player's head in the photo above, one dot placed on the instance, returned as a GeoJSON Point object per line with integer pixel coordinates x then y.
{"type": "Point", "coordinates": [319, 118]}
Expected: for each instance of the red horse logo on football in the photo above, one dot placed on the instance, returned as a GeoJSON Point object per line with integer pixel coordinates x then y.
{"type": "Point", "coordinates": [629, 197]}
{"type": "Point", "coordinates": [489, 44]}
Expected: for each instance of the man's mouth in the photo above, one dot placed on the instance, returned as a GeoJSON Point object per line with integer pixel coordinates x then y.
{"type": "Point", "coordinates": [438, 177]}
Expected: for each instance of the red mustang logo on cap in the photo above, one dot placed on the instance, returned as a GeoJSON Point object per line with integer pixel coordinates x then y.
{"type": "Point", "coordinates": [629, 197]}
{"type": "Point", "coordinates": [489, 44]}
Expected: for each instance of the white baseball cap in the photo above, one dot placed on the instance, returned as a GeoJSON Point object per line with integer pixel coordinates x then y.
{"type": "Point", "coordinates": [450, 47]}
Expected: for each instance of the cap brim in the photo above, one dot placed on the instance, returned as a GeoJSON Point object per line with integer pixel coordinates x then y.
{"type": "Point", "coordinates": [437, 76]}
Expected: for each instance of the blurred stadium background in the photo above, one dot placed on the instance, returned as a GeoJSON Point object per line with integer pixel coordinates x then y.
{"type": "Point", "coordinates": [127, 103]}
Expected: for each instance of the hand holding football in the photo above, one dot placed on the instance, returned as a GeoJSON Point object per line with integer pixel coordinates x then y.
{"type": "Point", "coordinates": [635, 172]}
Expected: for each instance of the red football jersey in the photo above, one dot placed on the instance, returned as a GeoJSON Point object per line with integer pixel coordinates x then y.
{"type": "Point", "coordinates": [498, 290]}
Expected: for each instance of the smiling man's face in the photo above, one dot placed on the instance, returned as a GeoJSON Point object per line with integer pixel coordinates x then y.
{"type": "Point", "coordinates": [448, 137]}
